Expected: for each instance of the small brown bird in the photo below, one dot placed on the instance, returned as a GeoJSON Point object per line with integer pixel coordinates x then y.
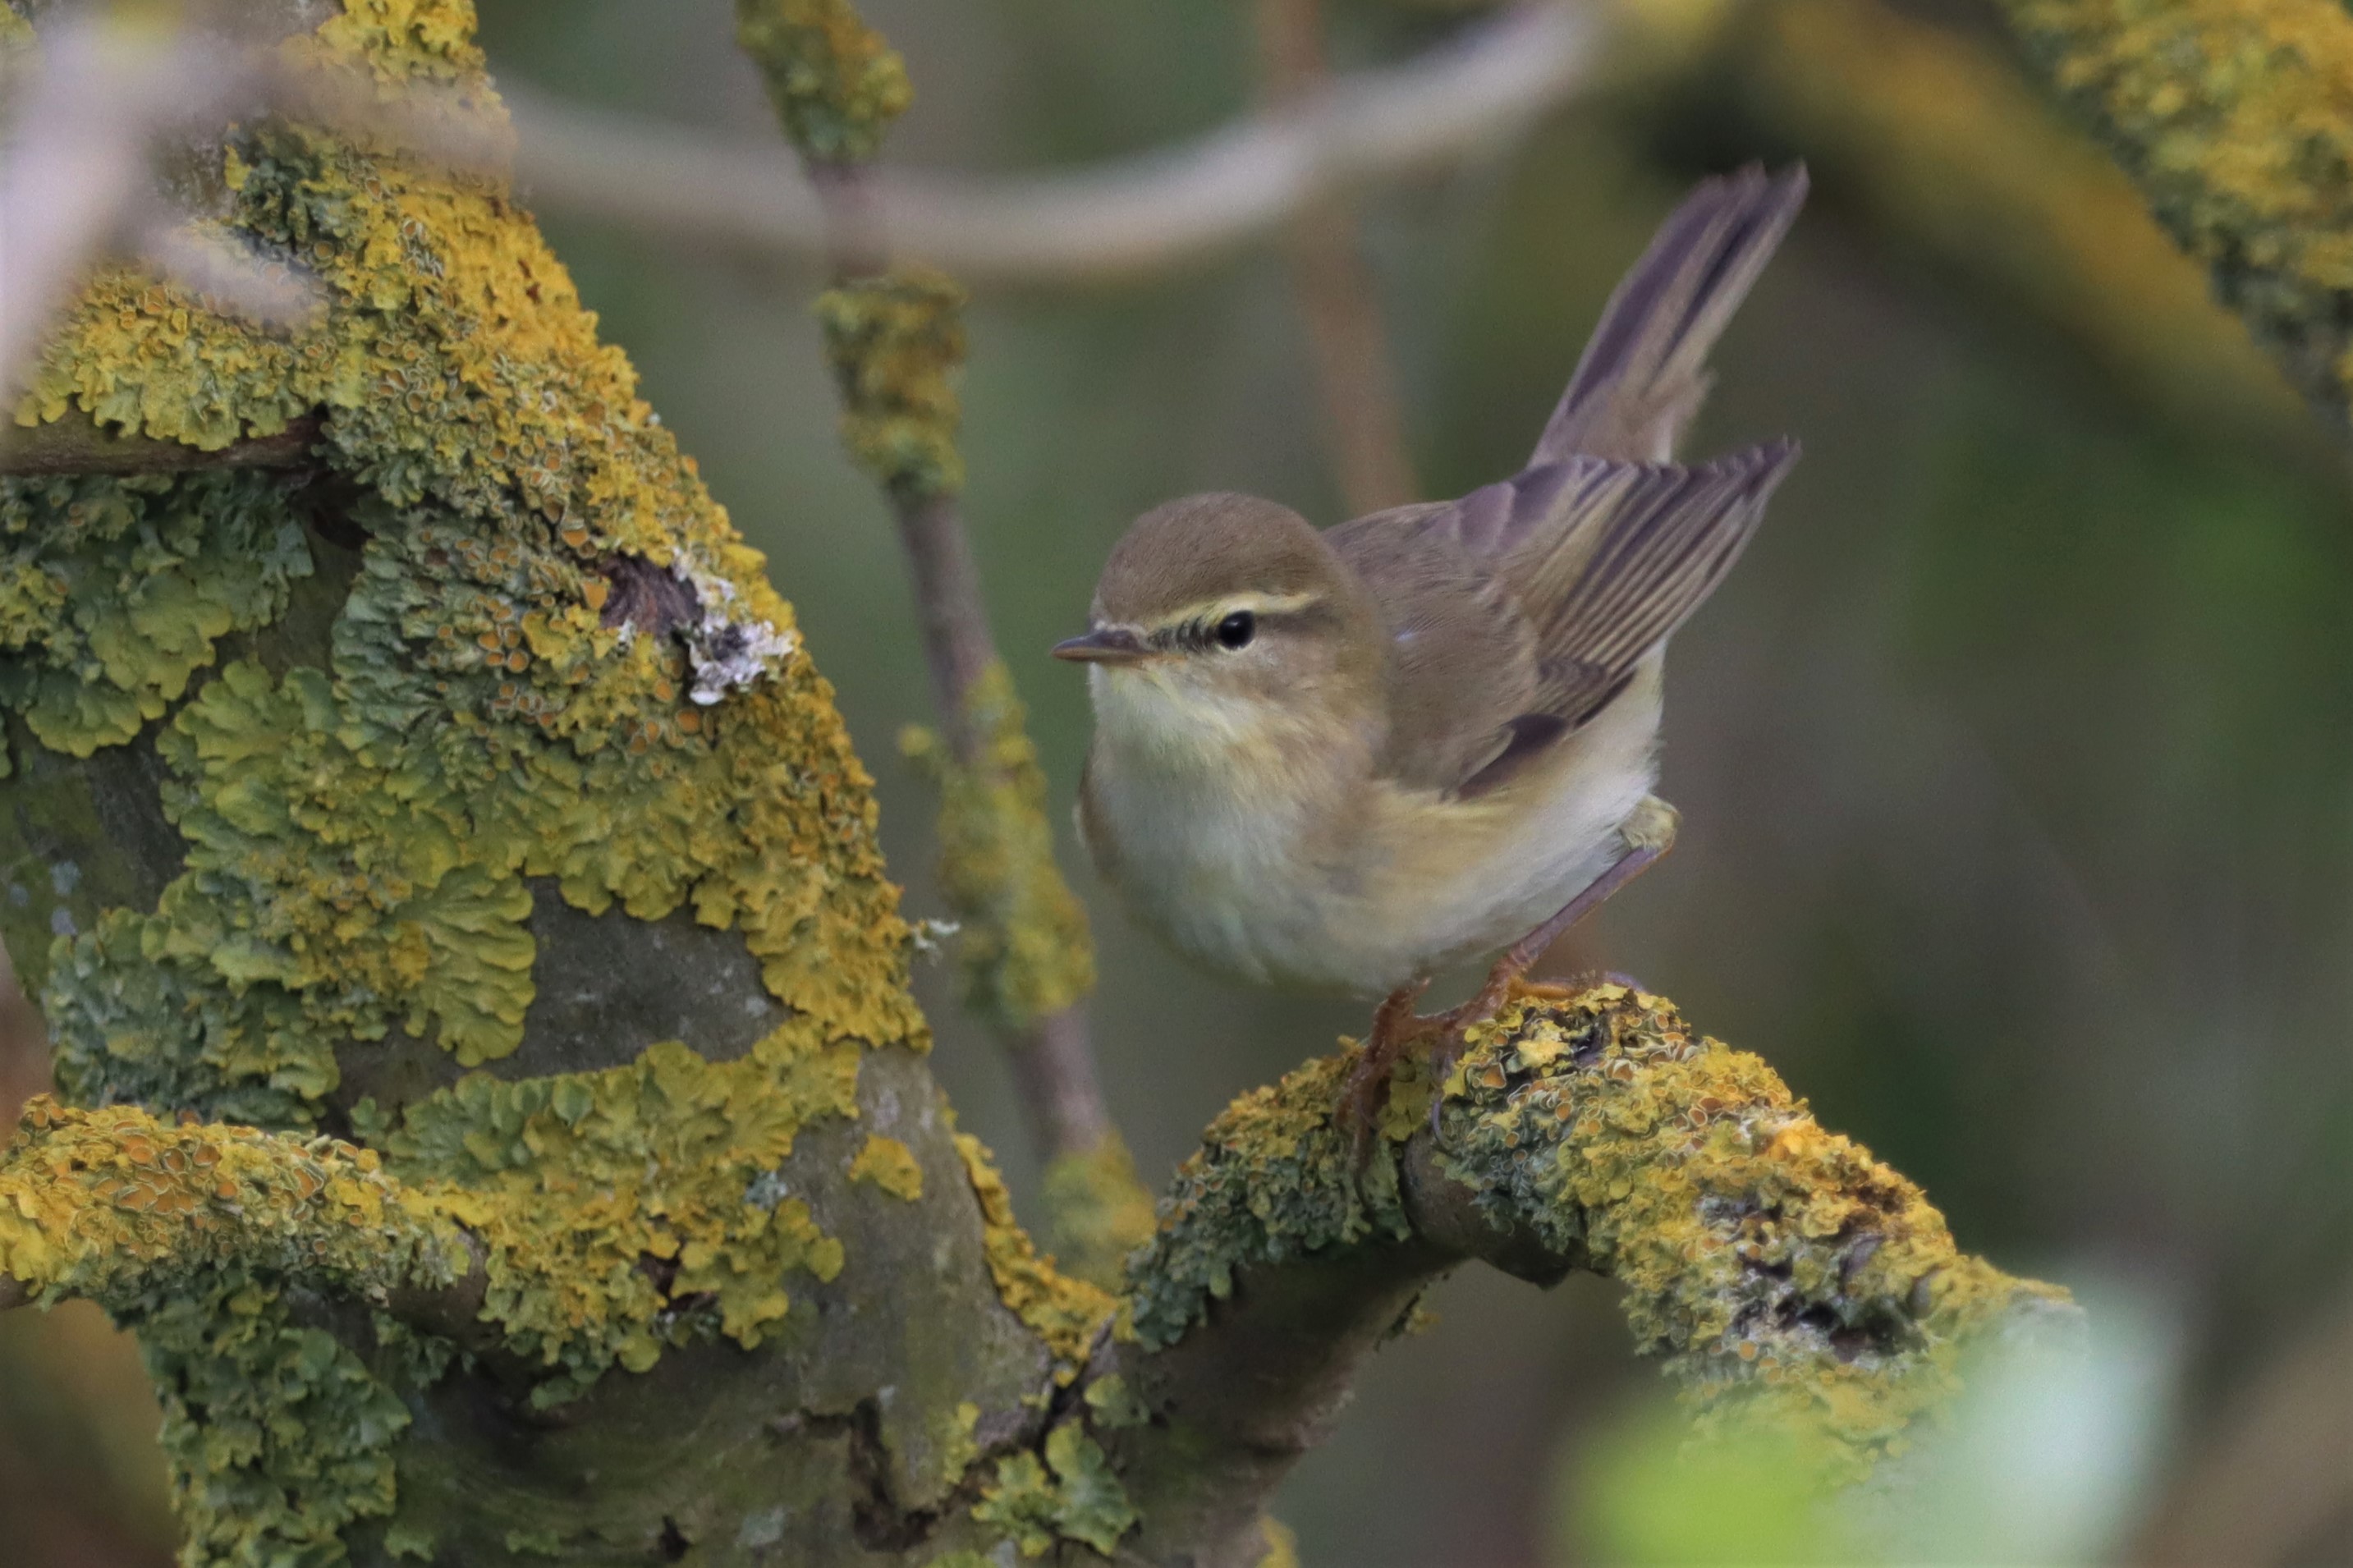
{"type": "Point", "coordinates": [1342, 761]}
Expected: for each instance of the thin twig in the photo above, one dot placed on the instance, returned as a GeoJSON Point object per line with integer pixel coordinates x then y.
{"type": "Point", "coordinates": [1052, 1059]}
{"type": "Point", "coordinates": [75, 444]}
{"type": "Point", "coordinates": [1122, 219]}
{"type": "Point", "coordinates": [1355, 374]}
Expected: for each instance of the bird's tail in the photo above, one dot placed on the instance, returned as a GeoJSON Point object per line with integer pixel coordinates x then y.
{"type": "Point", "coordinates": [1645, 371]}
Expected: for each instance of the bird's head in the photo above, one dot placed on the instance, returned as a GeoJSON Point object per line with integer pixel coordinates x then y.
{"type": "Point", "coordinates": [1227, 617]}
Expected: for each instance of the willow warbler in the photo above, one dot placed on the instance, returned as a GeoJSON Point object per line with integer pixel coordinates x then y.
{"type": "Point", "coordinates": [1341, 761]}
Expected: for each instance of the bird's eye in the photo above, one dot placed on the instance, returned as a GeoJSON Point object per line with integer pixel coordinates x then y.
{"type": "Point", "coordinates": [1237, 629]}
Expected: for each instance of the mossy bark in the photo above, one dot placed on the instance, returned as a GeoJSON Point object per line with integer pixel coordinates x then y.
{"type": "Point", "coordinates": [494, 1097]}
{"type": "Point", "coordinates": [2235, 117]}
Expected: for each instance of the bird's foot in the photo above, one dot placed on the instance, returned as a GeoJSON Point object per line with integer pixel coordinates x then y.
{"type": "Point", "coordinates": [1396, 1028]}
{"type": "Point", "coordinates": [1649, 833]}
{"type": "Point", "coordinates": [1397, 1031]}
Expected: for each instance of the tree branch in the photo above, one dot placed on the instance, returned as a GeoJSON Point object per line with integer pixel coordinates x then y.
{"type": "Point", "coordinates": [74, 443]}
{"type": "Point", "coordinates": [2232, 115]}
{"type": "Point", "coordinates": [1123, 219]}
{"type": "Point", "coordinates": [896, 341]}
{"type": "Point", "coordinates": [1355, 371]}
{"type": "Point", "coordinates": [1935, 135]}
{"type": "Point", "coordinates": [106, 1203]}
{"type": "Point", "coordinates": [1783, 1275]}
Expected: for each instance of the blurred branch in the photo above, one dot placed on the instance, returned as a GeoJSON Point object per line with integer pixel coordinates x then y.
{"type": "Point", "coordinates": [2278, 1467]}
{"type": "Point", "coordinates": [1943, 143]}
{"type": "Point", "coordinates": [2235, 117]}
{"type": "Point", "coordinates": [1124, 218]}
{"type": "Point", "coordinates": [1355, 371]}
{"type": "Point", "coordinates": [896, 341]}
{"type": "Point", "coordinates": [1786, 1277]}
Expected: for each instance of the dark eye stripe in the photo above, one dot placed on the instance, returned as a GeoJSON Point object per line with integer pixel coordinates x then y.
{"type": "Point", "coordinates": [1198, 634]}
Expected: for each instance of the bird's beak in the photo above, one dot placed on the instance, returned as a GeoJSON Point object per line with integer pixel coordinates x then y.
{"type": "Point", "coordinates": [1102, 645]}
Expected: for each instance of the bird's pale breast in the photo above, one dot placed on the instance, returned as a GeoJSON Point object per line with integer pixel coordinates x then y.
{"type": "Point", "coordinates": [1277, 855]}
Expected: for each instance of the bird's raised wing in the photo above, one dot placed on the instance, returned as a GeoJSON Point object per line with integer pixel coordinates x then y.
{"type": "Point", "coordinates": [1518, 612]}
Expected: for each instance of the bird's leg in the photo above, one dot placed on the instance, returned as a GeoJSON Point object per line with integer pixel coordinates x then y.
{"type": "Point", "coordinates": [1396, 1026]}
{"type": "Point", "coordinates": [1648, 835]}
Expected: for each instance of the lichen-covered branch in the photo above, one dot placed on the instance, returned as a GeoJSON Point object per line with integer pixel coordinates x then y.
{"type": "Point", "coordinates": [1782, 1275]}
{"type": "Point", "coordinates": [1934, 132]}
{"type": "Point", "coordinates": [896, 342]}
{"type": "Point", "coordinates": [117, 1208]}
{"type": "Point", "coordinates": [2236, 119]}
{"type": "Point", "coordinates": [76, 444]}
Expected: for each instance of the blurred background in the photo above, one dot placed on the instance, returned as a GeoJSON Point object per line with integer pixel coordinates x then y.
{"type": "Point", "coordinates": [2016, 759]}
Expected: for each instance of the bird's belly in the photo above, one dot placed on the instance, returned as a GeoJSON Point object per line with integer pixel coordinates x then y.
{"type": "Point", "coordinates": [1426, 884]}
{"type": "Point", "coordinates": [1229, 890]}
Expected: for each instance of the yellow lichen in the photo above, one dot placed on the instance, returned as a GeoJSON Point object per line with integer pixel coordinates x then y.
{"type": "Point", "coordinates": [1281, 1543]}
{"type": "Point", "coordinates": [1790, 1279]}
{"type": "Point", "coordinates": [890, 1165]}
{"type": "Point", "coordinates": [359, 835]}
{"type": "Point", "coordinates": [1024, 947]}
{"type": "Point", "coordinates": [2236, 117]}
{"type": "Point", "coordinates": [836, 84]}
{"type": "Point", "coordinates": [99, 1203]}
{"type": "Point", "coordinates": [278, 1437]}
{"type": "Point", "coordinates": [1787, 1277]}
{"type": "Point", "coordinates": [578, 1183]}
{"type": "Point", "coordinates": [360, 828]}
{"type": "Point", "coordinates": [1098, 1212]}
{"type": "Point", "coordinates": [897, 346]}
{"type": "Point", "coordinates": [1064, 1312]}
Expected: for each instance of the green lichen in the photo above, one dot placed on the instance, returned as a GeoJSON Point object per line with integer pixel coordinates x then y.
{"type": "Point", "coordinates": [278, 1436]}
{"type": "Point", "coordinates": [897, 346]}
{"type": "Point", "coordinates": [1064, 1312]}
{"type": "Point", "coordinates": [114, 591]}
{"type": "Point", "coordinates": [1787, 1277]}
{"type": "Point", "coordinates": [1273, 1181]}
{"type": "Point", "coordinates": [1113, 1405]}
{"type": "Point", "coordinates": [890, 1165]}
{"type": "Point", "coordinates": [1098, 1212]}
{"type": "Point", "coordinates": [1024, 950]}
{"type": "Point", "coordinates": [2233, 116]}
{"type": "Point", "coordinates": [836, 84]}
{"type": "Point", "coordinates": [577, 1184]}
{"type": "Point", "coordinates": [1075, 1495]}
